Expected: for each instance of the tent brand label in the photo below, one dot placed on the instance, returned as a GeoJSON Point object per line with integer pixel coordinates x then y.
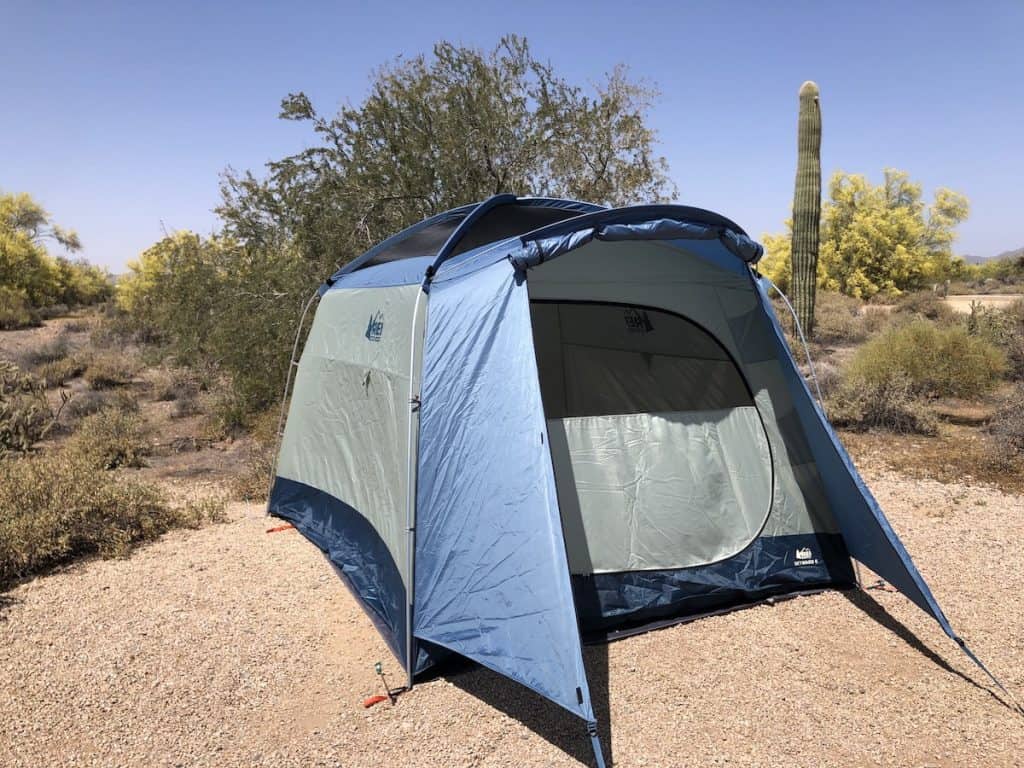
{"type": "Point", "coordinates": [804, 556]}
{"type": "Point", "coordinates": [375, 328]}
{"type": "Point", "coordinates": [637, 321]}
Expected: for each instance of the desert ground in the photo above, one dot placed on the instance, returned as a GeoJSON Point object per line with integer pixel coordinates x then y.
{"type": "Point", "coordinates": [229, 646]}
{"type": "Point", "coordinates": [232, 646]}
{"type": "Point", "coordinates": [962, 304]}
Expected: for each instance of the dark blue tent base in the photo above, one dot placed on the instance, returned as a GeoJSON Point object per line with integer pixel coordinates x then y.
{"type": "Point", "coordinates": [771, 566]}
{"type": "Point", "coordinates": [770, 598]}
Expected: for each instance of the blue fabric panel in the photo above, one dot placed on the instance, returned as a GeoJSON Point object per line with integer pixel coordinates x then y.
{"type": "Point", "coordinates": [638, 213]}
{"type": "Point", "coordinates": [715, 244]}
{"type": "Point", "coordinates": [867, 532]}
{"type": "Point", "coordinates": [769, 566]}
{"type": "Point", "coordinates": [741, 245]}
{"type": "Point", "coordinates": [470, 261]}
{"type": "Point", "coordinates": [537, 252]}
{"type": "Point", "coordinates": [674, 229]}
{"type": "Point", "coordinates": [492, 576]}
{"type": "Point", "coordinates": [401, 272]}
{"type": "Point", "coordinates": [658, 229]}
{"type": "Point", "coordinates": [354, 547]}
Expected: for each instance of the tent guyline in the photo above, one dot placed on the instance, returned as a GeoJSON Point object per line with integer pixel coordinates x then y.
{"type": "Point", "coordinates": [528, 422]}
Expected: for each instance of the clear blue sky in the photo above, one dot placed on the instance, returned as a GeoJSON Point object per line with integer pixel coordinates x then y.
{"type": "Point", "coordinates": [120, 116]}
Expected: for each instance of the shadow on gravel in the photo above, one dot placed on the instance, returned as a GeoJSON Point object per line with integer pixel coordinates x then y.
{"type": "Point", "coordinates": [543, 717]}
{"type": "Point", "coordinates": [6, 601]}
{"type": "Point", "coordinates": [876, 611]}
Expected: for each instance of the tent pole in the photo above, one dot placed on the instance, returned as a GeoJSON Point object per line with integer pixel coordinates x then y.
{"type": "Point", "coordinates": [595, 743]}
{"type": "Point", "coordinates": [292, 365]}
{"type": "Point", "coordinates": [410, 493]}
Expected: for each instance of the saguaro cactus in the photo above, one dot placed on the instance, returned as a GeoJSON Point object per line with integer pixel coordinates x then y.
{"type": "Point", "coordinates": [807, 206]}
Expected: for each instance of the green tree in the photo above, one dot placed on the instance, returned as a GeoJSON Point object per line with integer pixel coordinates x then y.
{"type": "Point", "coordinates": [221, 303]}
{"type": "Point", "coordinates": [28, 271]}
{"type": "Point", "coordinates": [439, 132]}
{"type": "Point", "coordinates": [433, 133]}
{"type": "Point", "coordinates": [885, 238]}
{"type": "Point", "coordinates": [879, 238]}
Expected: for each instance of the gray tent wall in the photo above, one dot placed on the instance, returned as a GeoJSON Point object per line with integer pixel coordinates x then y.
{"type": "Point", "coordinates": [492, 571]}
{"type": "Point", "coordinates": [343, 465]}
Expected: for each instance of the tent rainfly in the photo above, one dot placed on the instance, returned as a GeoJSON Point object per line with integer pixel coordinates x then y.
{"type": "Point", "coordinates": [529, 421]}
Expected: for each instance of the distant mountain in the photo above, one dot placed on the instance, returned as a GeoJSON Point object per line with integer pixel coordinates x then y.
{"type": "Point", "coordinates": [1015, 254]}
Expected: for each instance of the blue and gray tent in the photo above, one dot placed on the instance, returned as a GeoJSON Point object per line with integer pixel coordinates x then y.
{"type": "Point", "coordinates": [529, 422]}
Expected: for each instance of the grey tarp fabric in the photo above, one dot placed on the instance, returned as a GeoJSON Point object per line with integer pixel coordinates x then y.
{"type": "Point", "coordinates": [492, 578]}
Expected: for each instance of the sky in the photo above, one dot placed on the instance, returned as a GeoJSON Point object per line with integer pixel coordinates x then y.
{"type": "Point", "coordinates": [120, 117]}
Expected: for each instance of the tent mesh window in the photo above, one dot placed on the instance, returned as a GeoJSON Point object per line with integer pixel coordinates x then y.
{"type": "Point", "coordinates": [661, 459]}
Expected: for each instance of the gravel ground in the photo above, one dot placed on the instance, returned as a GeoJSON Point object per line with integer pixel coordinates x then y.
{"type": "Point", "coordinates": [231, 647]}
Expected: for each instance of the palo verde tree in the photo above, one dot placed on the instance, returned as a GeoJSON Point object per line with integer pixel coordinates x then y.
{"type": "Point", "coordinates": [878, 238]}
{"type": "Point", "coordinates": [29, 276]}
{"type": "Point", "coordinates": [885, 238]}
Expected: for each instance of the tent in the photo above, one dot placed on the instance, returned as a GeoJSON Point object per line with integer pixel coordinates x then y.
{"type": "Point", "coordinates": [529, 422]}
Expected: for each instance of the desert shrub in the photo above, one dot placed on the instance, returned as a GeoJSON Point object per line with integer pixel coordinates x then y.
{"type": "Point", "coordinates": [252, 482]}
{"type": "Point", "coordinates": [49, 352]}
{"type": "Point", "coordinates": [59, 372]}
{"type": "Point", "coordinates": [88, 402]}
{"type": "Point", "coordinates": [186, 405]}
{"type": "Point", "coordinates": [51, 311]}
{"type": "Point", "coordinates": [58, 506]}
{"type": "Point", "coordinates": [839, 319]}
{"type": "Point", "coordinates": [876, 319]}
{"type": "Point", "coordinates": [172, 384]}
{"type": "Point", "coordinates": [230, 415]}
{"type": "Point", "coordinates": [76, 325]}
{"type": "Point", "coordinates": [14, 379]}
{"type": "Point", "coordinates": [112, 438]}
{"type": "Point", "coordinates": [115, 329]}
{"type": "Point", "coordinates": [927, 304]}
{"type": "Point", "coordinates": [1015, 345]}
{"type": "Point", "coordinates": [936, 360]}
{"type": "Point", "coordinates": [889, 403]}
{"type": "Point", "coordinates": [25, 416]}
{"type": "Point", "coordinates": [1007, 429]}
{"type": "Point", "coordinates": [1004, 328]}
{"type": "Point", "coordinates": [197, 512]}
{"type": "Point", "coordinates": [15, 310]}
{"type": "Point", "coordinates": [24, 420]}
{"type": "Point", "coordinates": [107, 369]}
{"type": "Point", "coordinates": [829, 377]}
